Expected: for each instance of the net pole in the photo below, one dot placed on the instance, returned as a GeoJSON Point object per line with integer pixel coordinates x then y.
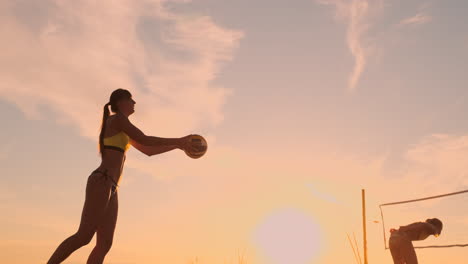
{"type": "Point", "coordinates": [383, 228]}
{"type": "Point", "coordinates": [363, 196]}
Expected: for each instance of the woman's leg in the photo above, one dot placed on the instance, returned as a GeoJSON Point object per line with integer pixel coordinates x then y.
{"type": "Point", "coordinates": [97, 197]}
{"type": "Point", "coordinates": [394, 244]}
{"type": "Point", "coordinates": [105, 232]}
{"type": "Point", "coordinates": [409, 253]}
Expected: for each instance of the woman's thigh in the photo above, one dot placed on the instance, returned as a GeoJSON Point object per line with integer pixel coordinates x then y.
{"type": "Point", "coordinates": [96, 202]}
{"type": "Point", "coordinates": [394, 245]}
{"type": "Point", "coordinates": [409, 253]}
{"type": "Point", "coordinates": [106, 228]}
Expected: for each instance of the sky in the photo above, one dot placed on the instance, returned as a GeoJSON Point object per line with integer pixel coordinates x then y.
{"type": "Point", "coordinates": [303, 103]}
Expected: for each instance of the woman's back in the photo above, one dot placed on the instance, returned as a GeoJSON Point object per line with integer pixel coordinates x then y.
{"type": "Point", "coordinates": [112, 160]}
{"type": "Point", "coordinates": [416, 231]}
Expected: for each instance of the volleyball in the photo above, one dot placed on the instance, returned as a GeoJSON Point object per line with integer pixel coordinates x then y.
{"type": "Point", "coordinates": [198, 147]}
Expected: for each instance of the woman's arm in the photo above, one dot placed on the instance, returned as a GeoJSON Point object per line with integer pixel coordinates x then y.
{"type": "Point", "coordinates": [152, 150]}
{"type": "Point", "coordinates": [137, 135]}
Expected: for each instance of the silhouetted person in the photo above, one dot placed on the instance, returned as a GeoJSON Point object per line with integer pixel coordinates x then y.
{"type": "Point", "coordinates": [99, 213]}
{"type": "Point", "coordinates": [400, 241]}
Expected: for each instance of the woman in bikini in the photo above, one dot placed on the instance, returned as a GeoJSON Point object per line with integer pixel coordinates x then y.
{"type": "Point", "coordinates": [101, 202]}
{"type": "Point", "coordinates": [400, 242]}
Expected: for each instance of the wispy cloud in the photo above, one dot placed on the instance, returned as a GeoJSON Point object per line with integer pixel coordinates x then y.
{"type": "Point", "coordinates": [418, 19]}
{"type": "Point", "coordinates": [439, 157]}
{"type": "Point", "coordinates": [433, 165]}
{"type": "Point", "coordinates": [357, 14]}
{"type": "Point", "coordinates": [68, 57]}
{"type": "Point", "coordinates": [321, 194]}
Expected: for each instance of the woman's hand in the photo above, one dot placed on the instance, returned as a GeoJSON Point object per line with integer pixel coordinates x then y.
{"type": "Point", "coordinates": [184, 142]}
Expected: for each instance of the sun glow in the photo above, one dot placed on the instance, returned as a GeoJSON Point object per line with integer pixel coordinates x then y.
{"type": "Point", "coordinates": [288, 236]}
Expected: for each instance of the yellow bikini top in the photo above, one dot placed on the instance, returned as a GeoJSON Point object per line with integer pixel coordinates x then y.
{"type": "Point", "coordinates": [118, 142]}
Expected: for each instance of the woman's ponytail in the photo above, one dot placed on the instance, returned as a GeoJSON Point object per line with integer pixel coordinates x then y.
{"type": "Point", "coordinates": [103, 127]}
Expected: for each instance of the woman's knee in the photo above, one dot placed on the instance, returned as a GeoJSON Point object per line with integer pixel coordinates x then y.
{"type": "Point", "coordinates": [84, 237]}
{"type": "Point", "coordinates": [105, 244]}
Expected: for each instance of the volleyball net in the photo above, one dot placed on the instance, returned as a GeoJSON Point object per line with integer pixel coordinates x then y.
{"type": "Point", "coordinates": [450, 208]}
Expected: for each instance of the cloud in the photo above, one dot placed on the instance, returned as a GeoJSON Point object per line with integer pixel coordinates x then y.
{"type": "Point", "coordinates": [64, 59]}
{"type": "Point", "coordinates": [357, 14]}
{"type": "Point", "coordinates": [440, 157]}
{"type": "Point", "coordinates": [434, 165]}
{"type": "Point", "coordinates": [418, 19]}
{"type": "Point", "coordinates": [318, 193]}
{"type": "Point", "coordinates": [68, 57]}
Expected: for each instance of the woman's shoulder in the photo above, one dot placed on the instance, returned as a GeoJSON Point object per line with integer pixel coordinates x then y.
{"type": "Point", "coordinates": [411, 226]}
{"type": "Point", "coordinates": [118, 119]}
{"type": "Point", "coordinates": [112, 124]}
{"type": "Point", "coordinates": [116, 123]}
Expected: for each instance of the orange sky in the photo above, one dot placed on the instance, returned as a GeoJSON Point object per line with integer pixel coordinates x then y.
{"type": "Point", "coordinates": [303, 104]}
